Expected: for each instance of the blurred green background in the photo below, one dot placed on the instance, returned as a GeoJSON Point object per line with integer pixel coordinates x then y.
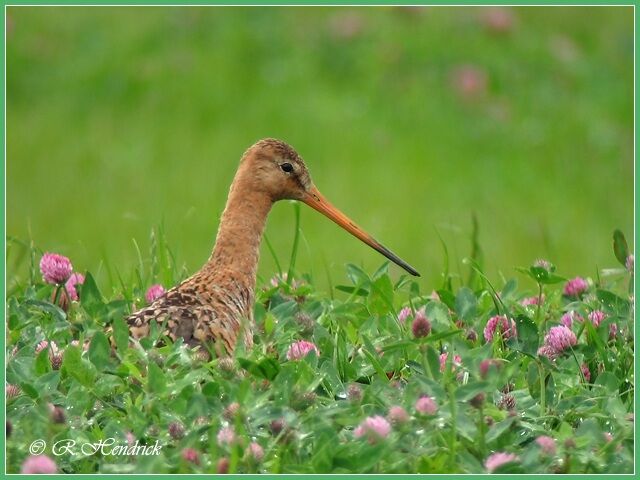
{"type": "Point", "coordinates": [410, 120]}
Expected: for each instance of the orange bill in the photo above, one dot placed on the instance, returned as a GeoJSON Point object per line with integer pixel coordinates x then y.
{"type": "Point", "coordinates": [316, 200]}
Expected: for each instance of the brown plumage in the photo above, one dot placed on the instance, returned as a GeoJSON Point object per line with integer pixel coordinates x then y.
{"type": "Point", "coordinates": [215, 305]}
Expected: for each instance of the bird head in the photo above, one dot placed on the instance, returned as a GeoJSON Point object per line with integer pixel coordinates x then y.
{"type": "Point", "coordinates": [278, 171]}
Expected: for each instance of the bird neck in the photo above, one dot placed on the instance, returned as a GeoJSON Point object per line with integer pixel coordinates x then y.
{"type": "Point", "coordinates": [237, 249]}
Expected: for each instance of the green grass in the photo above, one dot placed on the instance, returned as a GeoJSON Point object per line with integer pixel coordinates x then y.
{"type": "Point", "coordinates": [369, 360]}
{"type": "Point", "coordinates": [121, 119]}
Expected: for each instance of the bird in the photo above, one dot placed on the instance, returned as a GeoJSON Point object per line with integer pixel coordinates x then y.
{"type": "Point", "coordinates": [214, 307]}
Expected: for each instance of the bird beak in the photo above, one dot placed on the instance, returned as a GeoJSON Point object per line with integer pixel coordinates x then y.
{"type": "Point", "coordinates": [316, 200]}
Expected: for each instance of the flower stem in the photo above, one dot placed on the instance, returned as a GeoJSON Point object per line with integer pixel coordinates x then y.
{"type": "Point", "coordinates": [294, 249]}
{"type": "Point", "coordinates": [543, 392]}
{"type": "Point", "coordinates": [573, 354]}
{"type": "Point", "coordinates": [539, 306]}
{"type": "Point", "coordinates": [425, 363]}
{"type": "Point", "coordinates": [482, 430]}
{"type": "Point", "coordinates": [57, 294]}
{"type": "Point", "coordinates": [452, 440]}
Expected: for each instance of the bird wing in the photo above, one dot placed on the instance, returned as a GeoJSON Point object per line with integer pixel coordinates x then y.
{"type": "Point", "coordinates": [185, 315]}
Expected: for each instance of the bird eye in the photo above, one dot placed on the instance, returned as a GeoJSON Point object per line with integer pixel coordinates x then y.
{"type": "Point", "coordinates": [287, 167]}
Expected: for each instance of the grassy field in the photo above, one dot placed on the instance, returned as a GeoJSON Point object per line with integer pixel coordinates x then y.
{"type": "Point", "coordinates": [411, 120]}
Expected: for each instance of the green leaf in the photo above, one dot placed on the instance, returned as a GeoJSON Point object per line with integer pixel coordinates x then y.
{"type": "Point", "coordinates": [609, 381]}
{"type": "Point", "coordinates": [269, 323]}
{"type": "Point", "coordinates": [128, 369]}
{"type": "Point", "coordinates": [588, 351]}
{"type": "Point", "coordinates": [99, 350]}
{"type": "Point", "coordinates": [357, 275]}
{"type": "Point", "coordinates": [16, 318]}
{"type": "Point", "coordinates": [470, 390]}
{"type": "Point", "coordinates": [285, 310]}
{"type": "Point", "coordinates": [43, 362]}
{"type": "Point", "coordinates": [371, 354]}
{"type": "Point", "coordinates": [157, 381]}
{"type": "Point", "coordinates": [247, 364]}
{"type": "Point", "coordinates": [90, 297]}
{"type": "Point", "coordinates": [361, 292]}
{"type": "Point", "coordinates": [382, 271]}
{"type": "Point", "coordinates": [466, 304]}
{"type": "Point", "coordinates": [56, 312]}
{"type": "Point", "coordinates": [550, 389]}
{"type": "Point", "coordinates": [590, 431]}
{"type": "Point", "coordinates": [380, 299]}
{"type": "Point", "coordinates": [612, 303]}
{"type": "Point", "coordinates": [211, 389]}
{"type": "Point", "coordinates": [414, 287]}
{"type": "Point", "coordinates": [497, 430]}
{"type": "Point", "coordinates": [594, 338]}
{"type": "Point", "coordinates": [509, 289]}
{"type": "Point", "coordinates": [509, 468]}
{"type": "Point", "coordinates": [267, 368]}
{"type": "Point", "coordinates": [331, 378]}
{"type": "Point", "coordinates": [75, 366]}
{"type": "Point", "coordinates": [48, 383]}
{"type": "Point", "coordinates": [116, 309]}
{"type": "Point", "coordinates": [29, 389]}
{"type": "Point", "coordinates": [433, 387]}
{"type": "Point", "coordinates": [362, 454]}
{"type": "Point", "coordinates": [120, 335]}
{"type": "Point", "coordinates": [553, 278]}
{"type": "Point", "coordinates": [620, 247]}
{"type": "Point", "coordinates": [398, 345]}
{"type": "Point", "coordinates": [447, 298]}
{"type": "Point", "coordinates": [543, 276]}
{"type": "Point", "coordinates": [527, 339]}
{"type": "Point", "coordinates": [108, 385]}
{"type": "Point", "coordinates": [18, 369]}
{"type": "Point", "coordinates": [533, 380]}
{"type": "Point", "coordinates": [433, 362]}
{"type": "Point", "coordinates": [438, 314]}
{"type": "Point", "coordinates": [440, 336]}
{"type": "Point", "coordinates": [326, 441]}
